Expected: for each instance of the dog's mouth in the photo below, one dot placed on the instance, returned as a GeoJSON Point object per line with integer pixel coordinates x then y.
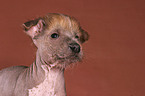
{"type": "Point", "coordinates": [63, 61]}
{"type": "Point", "coordinates": [71, 57]}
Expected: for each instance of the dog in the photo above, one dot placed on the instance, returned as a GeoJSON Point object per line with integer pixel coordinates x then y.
{"type": "Point", "coordinates": [58, 39]}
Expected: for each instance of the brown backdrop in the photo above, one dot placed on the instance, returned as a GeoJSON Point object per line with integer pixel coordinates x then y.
{"type": "Point", "coordinates": [114, 63]}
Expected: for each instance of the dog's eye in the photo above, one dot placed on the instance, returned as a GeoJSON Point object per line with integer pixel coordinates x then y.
{"type": "Point", "coordinates": [77, 36]}
{"type": "Point", "coordinates": [54, 35]}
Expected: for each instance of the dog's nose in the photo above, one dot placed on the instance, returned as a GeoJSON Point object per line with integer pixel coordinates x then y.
{"type": "Point", "coordinates": [75, 47]}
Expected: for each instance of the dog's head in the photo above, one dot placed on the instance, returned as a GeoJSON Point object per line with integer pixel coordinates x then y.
{"type": "Point", "coordinates": [58, 38]}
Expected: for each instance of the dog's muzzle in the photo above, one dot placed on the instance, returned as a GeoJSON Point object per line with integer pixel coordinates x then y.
{"type": "Point", "coordinates": [75, 47]}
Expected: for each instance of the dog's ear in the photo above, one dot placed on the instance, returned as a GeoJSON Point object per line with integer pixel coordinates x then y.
{"type": "Point", "coordinates": [34, 27]}
{"type": "Point", "coordinates": [84, 36]}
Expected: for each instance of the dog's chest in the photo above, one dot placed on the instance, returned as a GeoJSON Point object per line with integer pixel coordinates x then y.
{"type": "Point", "coordinates": [47, 88]}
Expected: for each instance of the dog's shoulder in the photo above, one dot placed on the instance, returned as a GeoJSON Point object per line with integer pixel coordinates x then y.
{"type": "Point", "coordinates": [13, 70]}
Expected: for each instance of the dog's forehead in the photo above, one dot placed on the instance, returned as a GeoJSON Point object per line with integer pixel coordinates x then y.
{"type": "Point", "coordinates": [68, 24]}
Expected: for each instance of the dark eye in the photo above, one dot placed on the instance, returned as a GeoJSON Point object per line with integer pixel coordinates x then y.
{"type": "Point", "coordinates": [76, 36]}
{"type": "Point", "coordinates": [54, 35]}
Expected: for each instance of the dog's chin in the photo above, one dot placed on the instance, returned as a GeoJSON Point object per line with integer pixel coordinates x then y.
{"type": "Point", "coordinates": [63, 62]}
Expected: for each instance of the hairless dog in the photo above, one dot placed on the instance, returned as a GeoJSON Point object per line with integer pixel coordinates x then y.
{"type": "Point", "coordinates": [58, 39]}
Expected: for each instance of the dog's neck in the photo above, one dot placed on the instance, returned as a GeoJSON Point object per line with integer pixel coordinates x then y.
{"type": "Point", "coordinates": [48, 81]}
